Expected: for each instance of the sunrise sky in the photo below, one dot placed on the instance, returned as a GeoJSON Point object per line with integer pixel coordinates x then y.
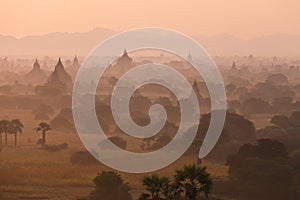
{"type": "Point", "coordinates": [243, 18]}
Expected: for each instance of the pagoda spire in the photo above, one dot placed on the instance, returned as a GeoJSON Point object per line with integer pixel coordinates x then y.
{"type": "Point", "coordinates": [124, 52]}
{"type": "Point", "coordinates": [59, 65]}
{"type": "Point", "coordinates": [234, 66]}
{"type": "Point", "coordinates": [75, 60]}
{"type": "Point", "coordinates": [189, 57]}
{"type": "Point", "coordinates": [36, 64]}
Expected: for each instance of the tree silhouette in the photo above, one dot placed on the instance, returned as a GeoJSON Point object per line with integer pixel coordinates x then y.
{"type": "Point", "coordinates": [1, 131]}
{"type": "Point", "coordinates": [159, 188]}
{"type": "Point", "coordinates": [193, 181]}
{"type": "Point", "coordinates": [43, 127]}
{"type": "Point", "coordinates": [5, 127]}
{"type": "Point", "coordinates": [280, 121]}
{"type": "Point", "coordinates": [110, 186]}
{"type": "Point", "coordinates": [294, 119]}
{"type": "Point", "coordinates": [262, 171]}
{"type": "Point", "coordinates": [15, 128]}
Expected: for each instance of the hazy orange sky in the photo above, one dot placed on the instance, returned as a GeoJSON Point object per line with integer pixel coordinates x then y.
{"type": "Point", "coordinates": [243, 18]}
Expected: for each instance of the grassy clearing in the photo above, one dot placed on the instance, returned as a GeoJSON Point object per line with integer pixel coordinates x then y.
{"type": "Point", "coordinates": [30, 172]}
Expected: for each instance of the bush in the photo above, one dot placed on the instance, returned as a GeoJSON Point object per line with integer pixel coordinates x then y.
{"type": "Point", "coordinates": [81, 198]}
{"type": "Point", "coordinates": [39, 141]}
{"type": "Point", "coordinates": [53, 148]}
{"type": "Point", "coordinates": [295, 119]}
{"type": "Point", "coordinates": [110, 186]}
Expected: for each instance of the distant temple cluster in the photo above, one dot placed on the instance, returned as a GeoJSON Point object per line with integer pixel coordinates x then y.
{"type": "Point", "coordinates": [37, 80]}
{"type": "Point", "coordinates": [42, 79]}
{"type": "Point", "coordinates": [58, 82]}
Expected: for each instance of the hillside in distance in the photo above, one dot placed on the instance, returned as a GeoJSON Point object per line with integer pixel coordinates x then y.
{"type": "Point", "coordinates": [63, 43]}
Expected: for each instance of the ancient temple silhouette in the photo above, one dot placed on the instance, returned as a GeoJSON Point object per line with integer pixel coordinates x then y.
{"type": "Point", "coordinates": [123, 64]}
{"type": "Point", "coordinates": [197, 91]}
{"type": "Point", "coordinates": [59, 81]}
{"type": "Point", "coordinates": [190, 58]}
{"type": "Point", "coordinates": [36, 75]}
{"type": "Point", "coordinates": [36, 65]}
{"type": "Point", "coordinates": [233, 67]}
{"type": "Point", "coordinates": [73, 67]}
{"type": "Point", "coordinates": [60, 75]}
{"type": "Point", "coordinates": [233, 70]}
{"type": "Point", "coordinates": [75, 63]}
{"type": "Point", "coordinates": [124, 60]}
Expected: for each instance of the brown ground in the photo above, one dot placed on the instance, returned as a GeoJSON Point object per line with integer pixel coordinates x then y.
{"type": "Point", "coordinates": [30, 172]}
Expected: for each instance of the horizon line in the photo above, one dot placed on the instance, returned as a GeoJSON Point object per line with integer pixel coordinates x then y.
{"type": "Point", "coordinates": [118, 31]}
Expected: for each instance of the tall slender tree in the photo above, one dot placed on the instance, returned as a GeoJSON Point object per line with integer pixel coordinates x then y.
{"type": "Point", "coordinates": [1, 131]}
{"type": "Point", "coordinates": [44, 128]}
{"type": "Point", "coordinates": [5, 126]}
{"type": "Point", "coordinates": [16, 127]}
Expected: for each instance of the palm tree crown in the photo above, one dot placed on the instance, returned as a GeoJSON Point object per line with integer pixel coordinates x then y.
{"type": "Point", "coordinates": [43, 127]}
{"type": "Point", "coordinates": [16, 127]}
{"type": "Point", "coordinates": [194, 180]}
{"type": "Point", "coordinates": [5, 128]}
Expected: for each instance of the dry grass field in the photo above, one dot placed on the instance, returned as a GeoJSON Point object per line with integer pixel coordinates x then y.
{"type": "Point", "coordinates": [30, 172]}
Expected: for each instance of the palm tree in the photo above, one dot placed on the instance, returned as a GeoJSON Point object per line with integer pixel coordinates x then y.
{"type": "Point", "coordinates": [193, 180]}
{"type": "Point", "coordinates": [1, 131]}
{"type": "Point", "coordinates": [43, 127]}
{"type": "Point", "coordinates": [5, 127]}
{"type": "Point", "coordinates": [159, 188]}
{"type": "Point", "coordinates": [16, 127]}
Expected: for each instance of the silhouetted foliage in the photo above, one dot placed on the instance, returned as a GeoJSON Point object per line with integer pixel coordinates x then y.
{"type": "Point", "coordinates": [1, 131]}
{"type": "Point", "coordinates": [159, 188]}
{"type": "Point", "coordinates": [277, 79]}
{"type": "Point", "coordinates": [294, 119]}
{"type": "Point", "coordinates": [255, 106]}
{"type": "Point", "coordinates": [262, 171]}
{"type": "Point", "coordinates": [237, 130]}
{"type": "Point", "coordinates": [282, 105]}
{"type": "Point", "coordinates": [236, 126]}
{"type": "Point", "coordinates": [16, 127]}
{"type": "Point", "coordinates": [280, 121]}
{"type": "Point", "coordinates": [81, 198]}
{"type": "Point", "coordinates": [55, 147]}
{"type": "Point", "coordinates": [43, 128]}
{"type": "Point", "coordinates": [191, 182]}
{"type": "Point", "coordinates": [5, 128]}
{"type": "Point", "coordinates": [285, 129]}
{"type": "Point", "coordinates": [110, 186]}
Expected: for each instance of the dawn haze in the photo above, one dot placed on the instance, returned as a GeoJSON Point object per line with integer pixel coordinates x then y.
{"type": "Point", "coordinates": [149, 100]}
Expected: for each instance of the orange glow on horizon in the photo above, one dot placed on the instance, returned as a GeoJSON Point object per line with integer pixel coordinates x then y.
{"type": "Point", "coordinates": [205, 17]}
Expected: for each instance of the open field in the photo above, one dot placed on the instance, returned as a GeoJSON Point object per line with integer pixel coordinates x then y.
{"type": "Point", "coordinates": [30, 172]}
